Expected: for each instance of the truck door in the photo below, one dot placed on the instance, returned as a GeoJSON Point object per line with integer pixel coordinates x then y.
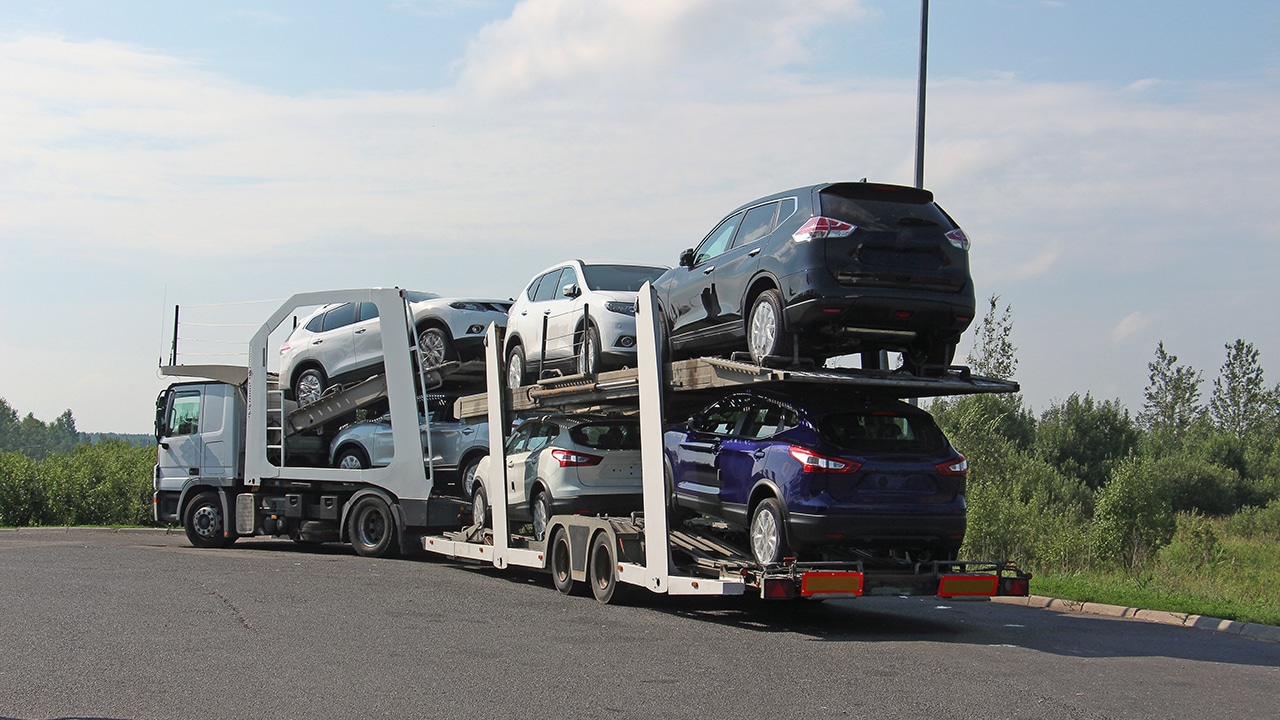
{"type": "Point", "coordinates": [181, 446]}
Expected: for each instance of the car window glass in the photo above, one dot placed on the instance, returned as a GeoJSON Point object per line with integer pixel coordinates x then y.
{"type": "Point", "coordinates": [520, 440]}
{"type": "Point", "coordinates": [543, 436]}
{"type": "Point", "coordinates": [766, 419]}
{"type": "Point", "coordinates": [718, 241]}
{"type": "Point", "coordinates": [532, 291]}
{"type": "Point", "coordinates": [786, 209]}
{"type": "Point", "coordinates": [547, 287]}
{"type": "Point", "coordinates": [368, 311]}
{"type": "Point", "coordinates": [722, 417]}
{"type": "Point", "coordinates": [184, 413]}
{"type": "Point", "coordinates": [757, 223]}
{"type": "Point", "coordinates": [881, 432]}
{"type": "Point", "coordinates": [611, 435]}
{"type": "Point", "coordinates": [620, 278]}
{"type": "Point", "coordinates": [567, 277]}
{"type": "Point", "coordinates": [315, 324]}
{"type": "Point", "coordinates": [340, 316]}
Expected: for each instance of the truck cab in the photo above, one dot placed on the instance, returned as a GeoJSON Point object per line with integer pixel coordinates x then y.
{"type": "Point", "coordinates": [200, 434]}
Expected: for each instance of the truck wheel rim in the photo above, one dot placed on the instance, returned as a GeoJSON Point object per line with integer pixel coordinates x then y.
{"type": "Point", "coordinates": [207, 521]}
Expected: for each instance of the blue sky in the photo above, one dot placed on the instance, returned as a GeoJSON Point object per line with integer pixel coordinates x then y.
{"type": "Point", "coordinates": [1115, 163]}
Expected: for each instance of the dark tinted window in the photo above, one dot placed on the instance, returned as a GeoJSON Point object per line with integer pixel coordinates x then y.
{"type": "Point", "coordinates": [316, 323]}
{"type": "Point", "coordinates": [548, 286]}
{"type": "Point", "coordinates": [722, 417]}
{"type": "Point", "coordinates": [766, 419]}
{"type": "Point", "coordinates": [873, 215]}
{"type": "Point", "coordinates": [340, 316]}
{"type": "Point", "coordinates": [718, 241]}
{"type": "Point", "coordinates": [608, 435]}
{"type": "Point", "coordinates": [620, 278]}
{"type": "Point", "coordinates": [881, 432]}
{"type": "Point", "coordinates": [786, 209]}
{"type": "Point", "coordinates": [415, 296]}
{"type": "Point", "coordinates": [568, 276]}
{"type": "Point", "coordinates": [757, 224]}
{"type": "Point", "coordinates": [368, 311]}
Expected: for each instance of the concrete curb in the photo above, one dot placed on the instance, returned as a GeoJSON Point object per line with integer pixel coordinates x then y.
{"type": "Point", "coordinates": [1268, 633]}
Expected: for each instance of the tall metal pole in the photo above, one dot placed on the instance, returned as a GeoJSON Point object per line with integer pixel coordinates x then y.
{"type": "Point", "coordinates": [924, 63]}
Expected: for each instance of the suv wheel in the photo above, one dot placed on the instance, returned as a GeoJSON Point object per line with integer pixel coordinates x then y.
{"type": "Point", "coordinates": [765, 335]}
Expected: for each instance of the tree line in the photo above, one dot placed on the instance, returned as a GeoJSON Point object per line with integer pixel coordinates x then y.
{"type": "Point", "coordinates": [1087, 485]}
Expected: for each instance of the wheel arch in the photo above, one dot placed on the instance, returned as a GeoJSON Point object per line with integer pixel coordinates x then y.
{"type": "Point", "coordinates": [308, 364]}
{"type": "Point", "coordinates": [349, 445]}
{"type": "Point", "coordinates": [431, 321]}
{"type": "Point", "coordinates": [391, 501]}
{"type": "Point", "coordinates": [765, 489]}
{"type": "Point", "coordinates": [761, 282]}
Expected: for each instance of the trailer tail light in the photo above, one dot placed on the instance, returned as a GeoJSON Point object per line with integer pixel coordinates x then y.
{"type": "Point", "coordinates": [955, 467]}
{"type": "Point", "coordinates": [1017, 586]}
{"type": "Point", "coordinates": [831, 584]}
{"type": "Point", "coordinates": [967, 585]}
{"type": "Point", "coordinates": [782, 588]}
{"type": "Point", "coordinates": [812, 462]}
{"type": "Point", "coordinates": [568, 458]}
{"type": "Point", "coordinates": [823, 227]}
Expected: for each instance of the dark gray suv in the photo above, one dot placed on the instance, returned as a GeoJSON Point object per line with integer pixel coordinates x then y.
{"type": "Point", "coordinates": [825, 270]}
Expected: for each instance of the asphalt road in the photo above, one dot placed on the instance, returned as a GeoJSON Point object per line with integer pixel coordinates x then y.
{"type": "Point", "coordinates": [100, 624]}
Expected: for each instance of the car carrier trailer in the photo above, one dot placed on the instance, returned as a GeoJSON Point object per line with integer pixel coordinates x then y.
{"type": "Point", "coordinates": [697, 557]}
{"type": "Point", "coordinates": [235, 458]}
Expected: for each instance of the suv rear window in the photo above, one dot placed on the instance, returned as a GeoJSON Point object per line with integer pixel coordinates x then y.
{"type": "Point", "coordinates": [608, 435]}
{"type": "Point", "coordinates": [884, 214]}
{"type": "Point", "coordinates": [881, 432]}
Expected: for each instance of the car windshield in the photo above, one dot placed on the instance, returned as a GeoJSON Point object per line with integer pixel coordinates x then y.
{"type": "Point", "coordinates": [607, 435]}
{"type": "Point", "coordinates": [620, 278]}
{"type": "Point", "coordinates": [415, 296]}
{"type": "Point", "coordinates": [881, 432]}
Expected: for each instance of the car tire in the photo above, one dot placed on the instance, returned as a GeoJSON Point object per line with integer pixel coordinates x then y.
{"type": "Point", "coordinates": [664, 338]}
{"type": "Point", "coordinates": [676, 514]}
{"type": "Point", "coordinates": [352, 459]}
{"type": "Point", "coordinates": [601, 564]}
{"type": "Point", "coordinates": [516, 371]}
{"type": "Point", "coordinates": [309, 386]}
{"type": "Point", "coordinates": [204, 523]}
{"type": "Point", "coordinates": [540, 510]}
{"type": "Point", "coordinates": [589, 352]}
{"type": "Point", "coordinates": [434, 347]}
{"type": "Point", "coordinates": [768, 537]}
{"type": "Point", "coordinates": [467, 475]}
{"type": "Point", "coordinates": [560, 561]}
{"type": "Point", "coordinates": [480, 507]}
{"type": "Point", "coordinates": [373, 528]}
{"type": "Point", "coordinates": [765, 335]}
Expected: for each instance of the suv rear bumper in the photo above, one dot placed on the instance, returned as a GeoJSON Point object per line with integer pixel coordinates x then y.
{"type": "Point", "coordinates": [878, 530]}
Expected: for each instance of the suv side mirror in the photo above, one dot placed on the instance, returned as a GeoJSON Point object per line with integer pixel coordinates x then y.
{"type": "Point", "coordinates": [572, 290]}
{"type": "Point", "coordinates": [686, 258]}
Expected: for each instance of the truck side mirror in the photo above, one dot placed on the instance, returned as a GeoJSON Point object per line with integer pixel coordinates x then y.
{"type": "Point", "coordinates": [686, 258]}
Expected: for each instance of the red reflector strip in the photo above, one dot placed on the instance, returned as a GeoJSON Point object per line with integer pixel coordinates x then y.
{"type": "Point", "coordinates": [777, 589]}
{"type": "Point", "coordinates": [967, 585]}
{"type": "Point", "coordinates": [830, 583]}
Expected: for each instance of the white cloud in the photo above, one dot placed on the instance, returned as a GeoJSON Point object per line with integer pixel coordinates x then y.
{"type": "Point", "coordinates": [1128, 325]}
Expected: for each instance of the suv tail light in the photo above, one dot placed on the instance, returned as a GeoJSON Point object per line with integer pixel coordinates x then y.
{"type": "Point", "coordinates": [813, 462]}
{"type": "Point", "coordinates": [568, 458]}
{"type": "Point", "coordinates": [285, 347]}
{"type": "Point", "coordinates": [823, 227]}
{"type": "Point", "coordinates": [956, 466]}
{"type": "Point", "coordinates": [959, 239]}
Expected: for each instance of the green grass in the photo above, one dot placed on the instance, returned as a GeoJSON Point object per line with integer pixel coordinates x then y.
{"type": "Point", "coordinates": [1240, 580]}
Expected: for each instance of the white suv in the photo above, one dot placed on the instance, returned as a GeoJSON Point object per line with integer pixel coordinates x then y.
{"type": "Point", "coordinates": [575, 317]}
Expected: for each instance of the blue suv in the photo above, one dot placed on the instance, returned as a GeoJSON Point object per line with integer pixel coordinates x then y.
{"type": "Point", "coordinates": [820, 468]}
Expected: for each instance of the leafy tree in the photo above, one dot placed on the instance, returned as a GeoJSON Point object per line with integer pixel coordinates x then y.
{"type": "Point", "coordinates": [1172, 395]}
{"type": "Point", "coordinates": [994, 353]}
{"type": "Point", "coordinates": [1241, 403]}
{"type": "Point", "coordinates": [1085, 439]}
{"type": "Point", "coordinates": [1132, 517]}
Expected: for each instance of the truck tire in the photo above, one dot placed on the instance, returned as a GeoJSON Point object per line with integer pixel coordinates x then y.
{"type": "Point", "coordinates": [373, 529]}
{"type": "Point", "coordinates": [768, 539]}
{"type": "Point", "coordinates": [203, 522]}
{"type": "Point", "coordinates": [600, 569]}
{"type": "Point", "coordinates": [560, 561]}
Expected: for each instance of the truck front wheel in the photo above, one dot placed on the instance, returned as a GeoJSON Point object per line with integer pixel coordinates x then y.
{"type": "Point", "coordinates": [373, 529]}
{"type": "Point", "coordinates": [203, 522]}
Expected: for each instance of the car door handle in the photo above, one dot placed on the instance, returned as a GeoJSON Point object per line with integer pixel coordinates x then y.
{"type": "Point", "coordinates": [511, 463]}
{"type": "Point", "coordinates": [193, 471]}
{"type": "Point", "coordinates": [547, 311]}
{"type": "Point", "coordinates": [360, 331]}
{"type": "Point", "coordinates": [316, 342]}
{"type": "Point", "coordinates": [758, 454]}
{"type": "Point", "coordinates": [709, 270]}
{"type": "Point", "coordinates": [524, 312]}
{"type": "Point", "coordinates": [468, 431]}
{"type": "Point", "coordinates": [754, 253]}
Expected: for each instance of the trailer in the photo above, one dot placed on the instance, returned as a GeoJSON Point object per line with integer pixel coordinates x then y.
{"type": "Point", "coordinates": [236, 458]}
{"type": "Point", "coordinates": [700, 557]}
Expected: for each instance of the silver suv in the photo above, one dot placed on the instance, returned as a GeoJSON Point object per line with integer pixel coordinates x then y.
{"type": "Point", "coordinates": [456, 446]}
{"type": "Point", "coordinates": [575, 317]}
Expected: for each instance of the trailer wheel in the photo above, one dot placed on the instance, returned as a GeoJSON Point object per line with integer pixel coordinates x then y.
{"type": "Point", "coordinates": [203, 522]}
{"type": "Point", "coordinates": [768, 540]}
{"type": "Point", "coordinates": [373, 529]}
{"type": "Point", "coordinates": [561, 562]}
{"type": "Point", "coordinates": [600, 569]}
